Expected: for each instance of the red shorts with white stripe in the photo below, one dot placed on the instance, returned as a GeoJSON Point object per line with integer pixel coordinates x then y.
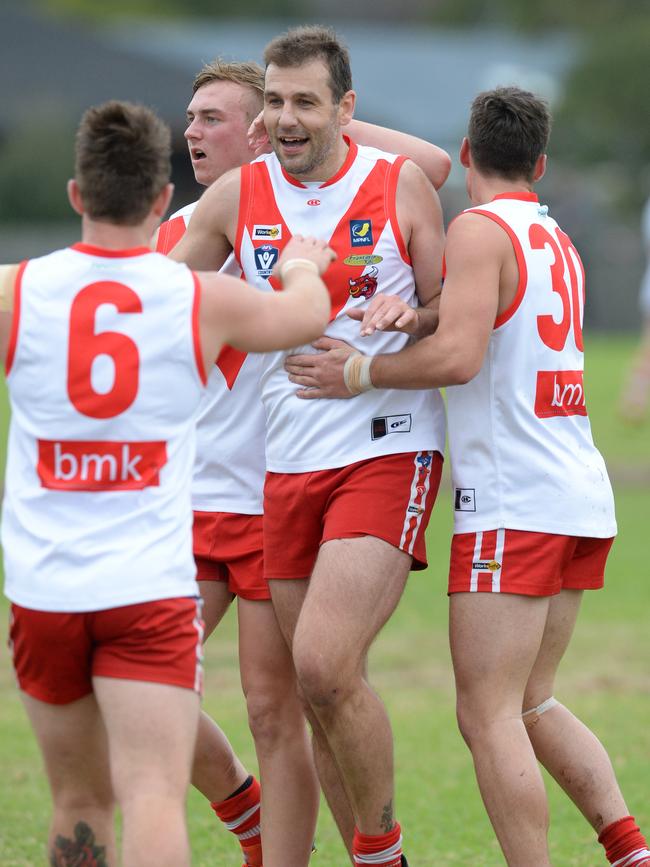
{"type": "Point", "coordinates": [228, 547]}
{"type": "Point", "coordinates": [389, 497]}
{"type": "Point", "coordinates": [532, 564]}
{"type": "Point", "coordinates": [56, 654]}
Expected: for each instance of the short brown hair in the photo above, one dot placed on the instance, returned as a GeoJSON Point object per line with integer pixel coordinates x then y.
{"type": "Point", "coordinates": [122, 161]}
{"type": "Point", "coordinates": [313, 42]}
{"type": "Point", "coordinates": [508, 131]}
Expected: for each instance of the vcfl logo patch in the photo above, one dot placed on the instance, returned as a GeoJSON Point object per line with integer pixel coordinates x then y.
{"type": "Point", "coordinates": [265, 258]}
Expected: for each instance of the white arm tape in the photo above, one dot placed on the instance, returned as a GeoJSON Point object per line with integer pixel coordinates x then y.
{"type": "Point", "coordinates": [356, 373]}
{"type": "Point", "coordinates": [290, 264]}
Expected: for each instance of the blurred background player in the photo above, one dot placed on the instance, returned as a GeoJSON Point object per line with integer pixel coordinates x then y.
{"type": "Point", "coordinates": [311, 93]}
{"type": "Point", "coordinates": [227, 501]}
{"type": "Point", "coordinates": [106, 348]}
{"type": "Point", "coordinates": [534, 511]}
{"type": "Point", "coordinates": [636, 393]}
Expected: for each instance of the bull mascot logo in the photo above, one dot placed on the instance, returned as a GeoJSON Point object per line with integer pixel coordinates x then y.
{"type": "Point", "coordinates": [364, 286]}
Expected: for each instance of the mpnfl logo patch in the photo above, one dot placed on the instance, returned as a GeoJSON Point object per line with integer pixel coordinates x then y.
{"type": "Point", "coordinates": [465, 500]}
{"type": "Point", "coordinates": [361, 233]}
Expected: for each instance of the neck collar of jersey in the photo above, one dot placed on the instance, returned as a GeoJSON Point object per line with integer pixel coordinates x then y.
{"type": "Point", "coordinates": [91, 250]}
{"type": "Point", "coordinates": [351, 155]}
{"type": "Point", "coordinates": [521, 196]}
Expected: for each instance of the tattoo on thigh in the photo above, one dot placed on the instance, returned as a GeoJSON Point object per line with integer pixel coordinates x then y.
{"type": "Point", "coordinates": [387, 821]}
{"type": "Point", "coordinates": [80, 852]}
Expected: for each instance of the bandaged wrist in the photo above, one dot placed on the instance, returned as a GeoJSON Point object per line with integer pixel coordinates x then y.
{"type": "Point", "coordinates": [356, 373]}
{"type": "Point", "coordinates": [290, 264]}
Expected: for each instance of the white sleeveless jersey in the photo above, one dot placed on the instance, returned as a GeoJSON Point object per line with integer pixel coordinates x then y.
{"type": "Point", "coordinates": [105, 376]}
{"type": "Point", "coordinates": [355, 211]}
{"type": "Point", "coordinates": [230, 465]}
{"type": "Point", "coordinates": [522, 454]}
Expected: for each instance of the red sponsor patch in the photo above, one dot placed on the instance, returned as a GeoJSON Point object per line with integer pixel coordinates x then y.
{"type": "Point", "coordinates": [560, 392]}
{"type": "Point", "coordinates": [313, 202]}
{"type": "Point", "coordinates": [100, 466]}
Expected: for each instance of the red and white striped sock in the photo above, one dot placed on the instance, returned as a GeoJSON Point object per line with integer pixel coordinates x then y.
{"type": "Point", "coordinates": [624, 844]}
{"type": "Point", "coordinates": [378, 850]}
{"type": "Point", "coordinates": [241, 815]}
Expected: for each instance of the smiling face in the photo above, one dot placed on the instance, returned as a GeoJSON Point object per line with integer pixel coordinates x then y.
{"type": "Point", "coordinates": [303, 122]}
{"type": "Point", "coordinates": [218, 118]}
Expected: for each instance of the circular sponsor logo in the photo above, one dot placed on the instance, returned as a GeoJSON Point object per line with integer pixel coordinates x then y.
{"type": "Point", "coordinates": [313, 201]}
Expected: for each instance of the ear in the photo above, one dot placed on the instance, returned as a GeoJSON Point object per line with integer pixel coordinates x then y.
{"type": "Point", "coordinates": [162, 200]}
{"type": "Point", "coordinates": [464, 153]}
{"type": "Point", "coordinates": [346, 107]}
{"type": "Point", "coordinates": [540, 168]}
{"type": "Point", "coordinates": [74, 197]}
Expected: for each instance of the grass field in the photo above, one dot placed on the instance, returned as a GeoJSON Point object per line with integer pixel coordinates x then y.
{"type": "Point", "coordinates": [605, 679]}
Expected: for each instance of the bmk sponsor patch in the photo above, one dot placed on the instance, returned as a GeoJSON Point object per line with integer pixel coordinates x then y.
{"type": "Point", "coordinates": [271, 233]}
{"type": "Point", "coordinates": [265, 258]}
{"type": "Point", "coordinates": [465, 500]}
{"type": "Point", "coordinates": [389, 424]}
{"type": "Point", "coordinates": [361, 233]}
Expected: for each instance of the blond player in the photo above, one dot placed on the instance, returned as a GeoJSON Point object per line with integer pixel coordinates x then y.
{"type": "Point", "coordinates": [106, 345]}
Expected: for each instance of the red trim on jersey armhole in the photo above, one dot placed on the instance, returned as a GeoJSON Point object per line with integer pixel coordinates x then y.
{"type": "Point", "coordinates": [196, 329]}
{"type": "Point", "coordinates": [15, 319]}
{"type": "Point", "coordinates": [520, 196]}
{"type": "Point", "coordinates": [390, 193]}
{"type": "Point", "coordinates": [169, 234]}
{"type": "Point", "coordinates": [91, 250]}
{"type": "Point", "coordinates": [510, 311]}
{"type": "Point", "coordinates": [246, 185]}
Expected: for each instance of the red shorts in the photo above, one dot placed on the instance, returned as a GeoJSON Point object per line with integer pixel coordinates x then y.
{"type": "Point", "coordinates": [533, 564]}
{"type": "Point", "coordinates": [56, 654]}
{"type": "Point", "coordinates": [228, 547]}
{"type": "Point", "coordinates": [389, 497]}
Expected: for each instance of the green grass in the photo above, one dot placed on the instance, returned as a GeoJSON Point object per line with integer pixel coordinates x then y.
{"type": "Point", "coordinates": [605, 679]}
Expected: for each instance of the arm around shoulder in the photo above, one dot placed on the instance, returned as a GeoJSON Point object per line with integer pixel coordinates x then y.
{"type": "Point", "coordinates": [433, 160]}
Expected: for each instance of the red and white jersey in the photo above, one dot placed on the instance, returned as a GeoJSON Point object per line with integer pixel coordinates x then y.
{"type": "Point", "coordinates": [105, 375]}
{"type": "Point", "coordinates": [230, 465]}
{"type": "Point", "coordinates": [355, 211]}
{"type": "Point", "coordinates": [522, 454]}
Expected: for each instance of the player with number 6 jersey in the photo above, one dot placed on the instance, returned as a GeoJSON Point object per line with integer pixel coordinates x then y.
{"type": "Point", "coordinates": [107, 344]}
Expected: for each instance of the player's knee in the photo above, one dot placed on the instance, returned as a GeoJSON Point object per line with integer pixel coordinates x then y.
{"type": "Point", "coordinates": [271, 713]}
{"type": "Point", "coordinates": [323, 685]}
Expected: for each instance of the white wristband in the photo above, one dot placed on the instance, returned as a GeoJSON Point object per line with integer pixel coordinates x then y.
{"type": "Point", "coordinates": [297, 263]}
{"type": "Point", "coordinates": [356, 373]}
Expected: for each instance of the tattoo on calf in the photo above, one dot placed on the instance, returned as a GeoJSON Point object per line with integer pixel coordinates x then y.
{"type": "Point", "coordinates": [80, 852]}
{"type": "Point", "coordinates": [387, 820]}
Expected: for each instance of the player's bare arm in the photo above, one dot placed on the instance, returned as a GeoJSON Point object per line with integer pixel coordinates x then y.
{"type": "Point", "coordinates": [8, 275]}
{"type": "Point", "coordinates": [249, 319]}
{"type": "Point", "coordinates": [481, 282]}
{"type": "Point", "coordinates": [419, 216]}
{"type": "Point", "coordinates": [434, 161]}
{"type": "Point", "coordinates": [477, 252]}
{"type": "Point", "coordinates": [209, 238]}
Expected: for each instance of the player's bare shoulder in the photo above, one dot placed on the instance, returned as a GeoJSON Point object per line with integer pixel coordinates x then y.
{"type": "Point", "coordinates": [219, 204]}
